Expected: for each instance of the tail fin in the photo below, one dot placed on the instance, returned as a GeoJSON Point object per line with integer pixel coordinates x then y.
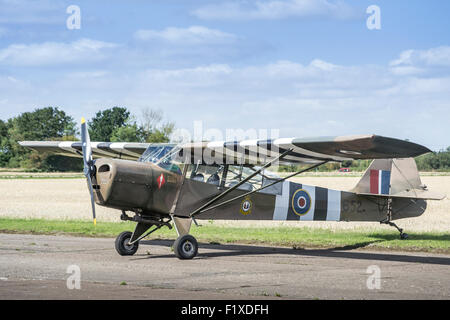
{"type": "Point", "coordinates": [395, 178]}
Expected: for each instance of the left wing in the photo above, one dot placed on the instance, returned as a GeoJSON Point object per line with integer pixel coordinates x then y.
{"type": "Point", "coordinates": [123, 150]}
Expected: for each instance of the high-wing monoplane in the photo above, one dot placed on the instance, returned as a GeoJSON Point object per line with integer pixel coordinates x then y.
{"type": "Point", "coordinates": [157, 184]}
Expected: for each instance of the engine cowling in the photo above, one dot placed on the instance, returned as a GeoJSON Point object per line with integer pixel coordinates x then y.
{"type": "Point", "coordinates": [130, 185]}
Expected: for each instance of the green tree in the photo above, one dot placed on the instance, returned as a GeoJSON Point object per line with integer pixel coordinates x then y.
{"type": "Point", "coordinates": [42, 124]}
{"type": "Point", "coordinates": [4, 154]}
{"type": "Point", "coordinates": [160, 135]}
{"type": "Point", "coordinates": [153, 129]}
{"type": "Point", "coordinates": [346, 163]}
{"type": "Point", "coordinates": [127, 133]}
{"type": "Point", "coordinates": [106, 122]}
{"type": "Point", "coordinates": [436, 161]}
{"type": "Point", "coordinates": [3, 129]}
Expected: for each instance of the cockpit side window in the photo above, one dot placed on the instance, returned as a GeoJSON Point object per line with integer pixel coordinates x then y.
{"type": "Point", "coordinates": [236, 174]}
{"type": "Point", "coordinates": [211, 174]}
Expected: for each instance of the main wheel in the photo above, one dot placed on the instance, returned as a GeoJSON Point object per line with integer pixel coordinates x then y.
{"type": "Point", "coordinates": [122, 246]}
{"type": "Point", "coordinates": [185, 247]}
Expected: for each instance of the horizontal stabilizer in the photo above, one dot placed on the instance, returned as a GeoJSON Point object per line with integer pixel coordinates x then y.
{"type": "Point", "coordinates": [423, 194]}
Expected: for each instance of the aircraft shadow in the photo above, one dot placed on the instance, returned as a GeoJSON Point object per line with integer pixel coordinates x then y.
{"type": "Point", "coordinates": [345, 252]}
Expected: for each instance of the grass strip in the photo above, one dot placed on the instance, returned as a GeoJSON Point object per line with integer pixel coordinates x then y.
{"type": "Point", "coordinates": [22, 177]}
{"type": "Point", "coordinates": [298, 238]}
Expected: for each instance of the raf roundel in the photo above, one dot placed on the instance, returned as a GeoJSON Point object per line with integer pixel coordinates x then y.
{"type": "Point", "coordinates": [301, 202]}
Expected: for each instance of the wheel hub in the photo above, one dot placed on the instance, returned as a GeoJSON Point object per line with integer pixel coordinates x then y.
{"type": "Point", "coordinates": [127, 245]}
{"type": "Point", "coordinates": [188, 247]}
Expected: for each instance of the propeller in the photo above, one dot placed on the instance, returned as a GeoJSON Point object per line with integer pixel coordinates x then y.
{"type": "Point", "coordinates": [89, 168]}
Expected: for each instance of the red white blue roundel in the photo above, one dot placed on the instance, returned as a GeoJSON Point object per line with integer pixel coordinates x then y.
{"type": "Point", "coordinates": [301, 202]}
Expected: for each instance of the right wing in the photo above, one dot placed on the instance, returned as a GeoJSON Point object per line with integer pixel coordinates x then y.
{"type": "Point", "coordinates": [304, 150]}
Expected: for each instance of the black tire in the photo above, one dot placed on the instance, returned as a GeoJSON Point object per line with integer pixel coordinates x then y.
{"type": "Point", "coordinates": [122, 246]}
{"type": "Point", "coordinates": [185, 247]}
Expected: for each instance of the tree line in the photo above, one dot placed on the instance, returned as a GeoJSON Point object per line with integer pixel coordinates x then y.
{"type": "Point", "coordinates": [54, 124]}
{"type": "Point", "coordinates": [118, 124]}
{"type": "Point", "coordinates": [436, 161]}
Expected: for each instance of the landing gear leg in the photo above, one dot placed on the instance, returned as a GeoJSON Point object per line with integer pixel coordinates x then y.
{"type": "Point", "coordinates": [403, 236]}
{"type": "Point", "coordinates": [127, 243]}
{"type": "Point", "coordinates": [186, 246]}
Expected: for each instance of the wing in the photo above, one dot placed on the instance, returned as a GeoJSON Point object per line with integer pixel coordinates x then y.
{"type": "Point", "coordinates": [251, 152]}
{"type": "Point", "coordinates": [304, 150]}
{"type": "Point", "coordinates": [123, 150]}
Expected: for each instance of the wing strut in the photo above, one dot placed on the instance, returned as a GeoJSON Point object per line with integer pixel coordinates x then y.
{"type": "Point", "coordinates": [262, 188]}
{"type": "Point", "coordinates": [223, 194]}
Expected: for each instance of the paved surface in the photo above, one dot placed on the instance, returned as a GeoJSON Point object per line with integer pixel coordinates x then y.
{"type": "Point", "coordinates": [35, 267]}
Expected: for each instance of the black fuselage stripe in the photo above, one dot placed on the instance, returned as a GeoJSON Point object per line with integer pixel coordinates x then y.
{"type": "Point", "coordinates": [291, 214]}
{"type": "Point", "coordinates": [321, 204]}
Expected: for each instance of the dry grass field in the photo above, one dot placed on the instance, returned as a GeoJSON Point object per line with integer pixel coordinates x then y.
{"type": "Point", "coordinates": [61, 198]}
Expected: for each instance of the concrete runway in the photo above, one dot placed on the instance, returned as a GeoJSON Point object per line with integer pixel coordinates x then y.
{"type": "Point", "coordinates": [35, 267]}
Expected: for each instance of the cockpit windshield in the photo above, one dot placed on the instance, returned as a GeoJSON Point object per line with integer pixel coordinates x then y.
{"type": "Point", "coordinates": [163, 156]}
{"type": "Point", "coordinates": [171, 161]}
{"type": "Point", "coordinates": [154, 153]}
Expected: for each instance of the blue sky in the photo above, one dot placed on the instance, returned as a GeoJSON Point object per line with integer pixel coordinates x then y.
{"type": "Point", "coordinates": [305, 67]}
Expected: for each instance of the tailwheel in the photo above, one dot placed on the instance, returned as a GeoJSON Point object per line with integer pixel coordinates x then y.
{"type": "Point", "coordinates": [185, 247]}
{"type": "Point", "coordinates": [122, 244]}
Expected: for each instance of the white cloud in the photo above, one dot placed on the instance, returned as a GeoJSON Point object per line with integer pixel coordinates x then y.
{"type": "Point", "coordinates": [88, 74]}
{"type": "Point", "coordinates": [406, 70]}
{"type": "Point", "coordinates": [54, 53]}
{"type": "Point", "coordinates": [438, 57]}
{"type": "Point", "coordinates": [192, 35]}
{"type": "Point", "coordinates": [317, 98]}
{"type": "Point", "coordinates": [274, 9]}
{"type": "Point", "coordinates": [32, 12]}
{"type": "Point", "coordinates": [187, 46]}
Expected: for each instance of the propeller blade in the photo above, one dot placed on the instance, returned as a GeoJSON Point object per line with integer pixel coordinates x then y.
{"type": "Point", "coordinates": [89, 169]}
{"type": "Point", "coordinates": [86, 146]}
{"type": "Point", "coordinates": [91, 191]}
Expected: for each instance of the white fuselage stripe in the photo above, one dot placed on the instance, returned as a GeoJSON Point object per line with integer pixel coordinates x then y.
{"type": "Point", "coordinates": [282, 203]}
{"type": "Point", "coordinates": [334, 205]}
{"type": "Point", "coordinates": [309, 216]}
